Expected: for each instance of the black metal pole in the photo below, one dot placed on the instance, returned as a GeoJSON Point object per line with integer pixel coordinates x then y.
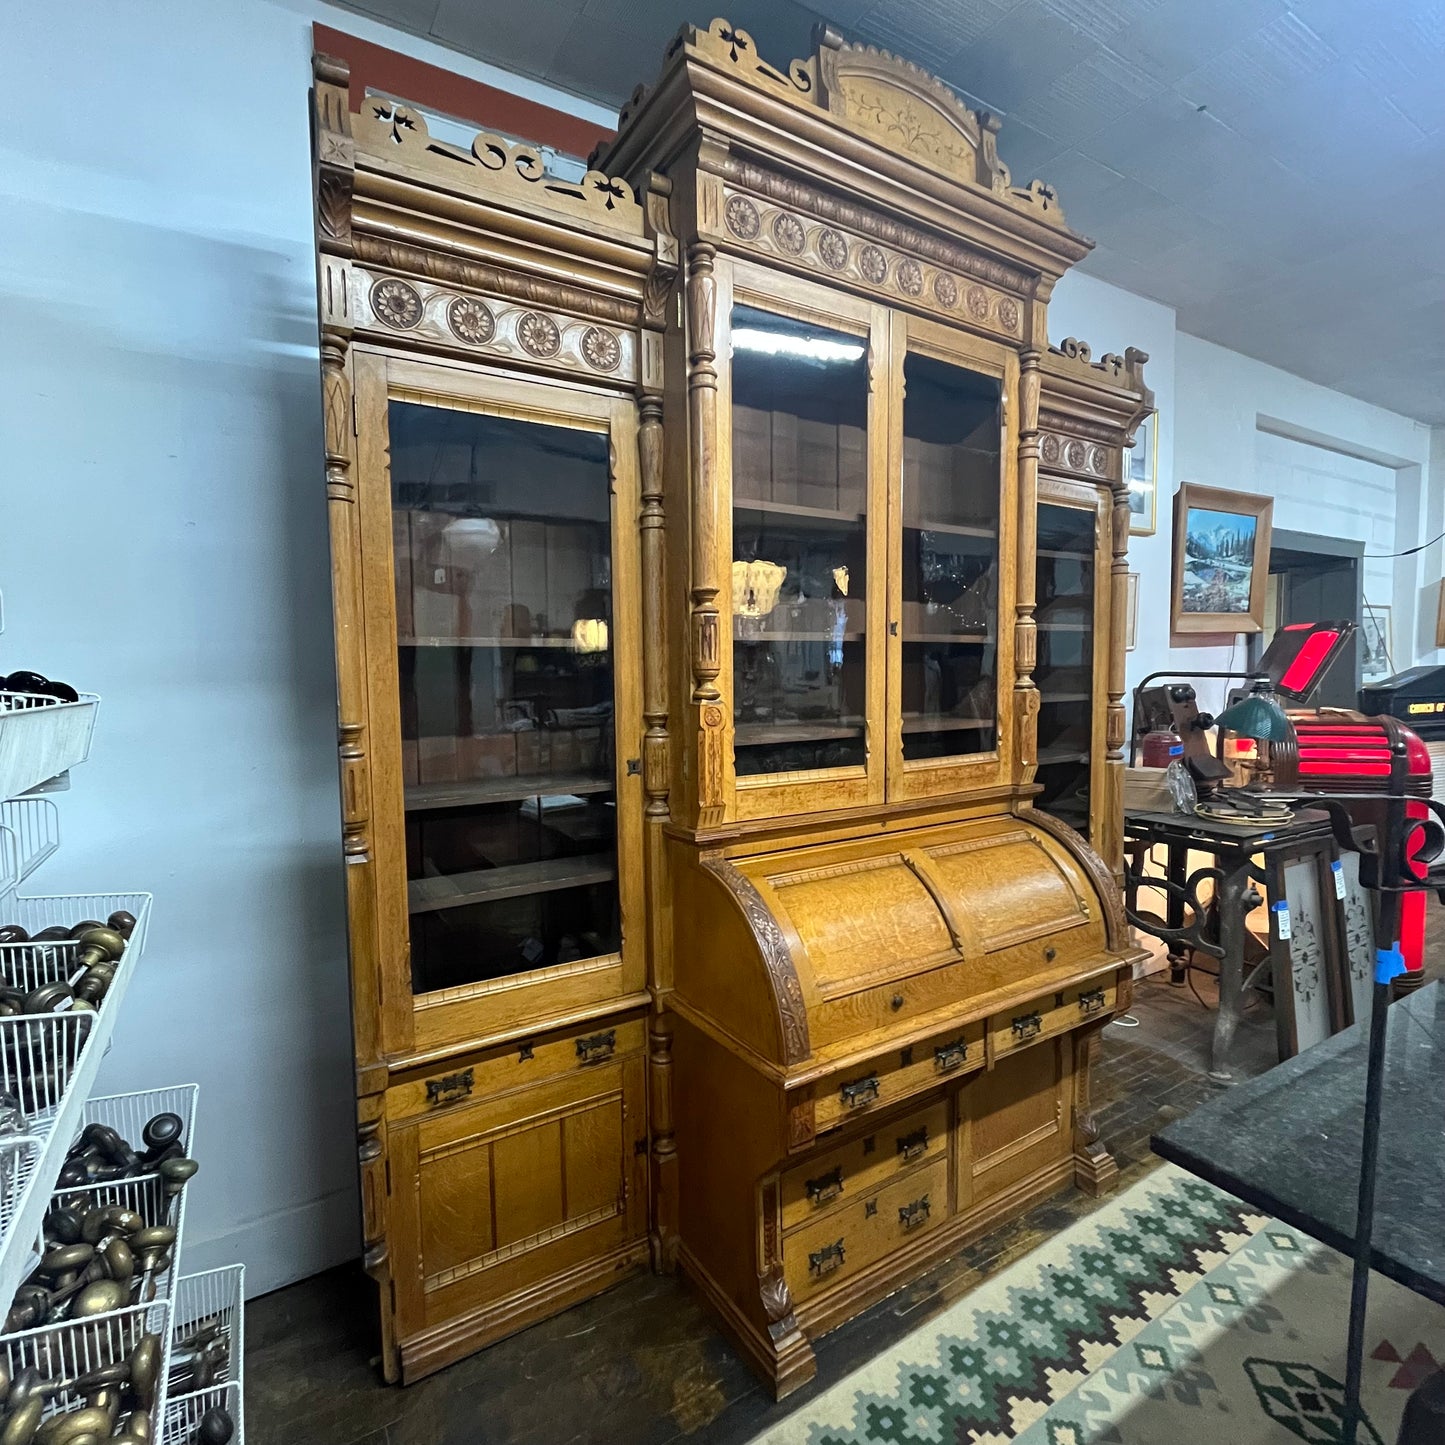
{"type": "Point", "coordinates": [1369, 1154]}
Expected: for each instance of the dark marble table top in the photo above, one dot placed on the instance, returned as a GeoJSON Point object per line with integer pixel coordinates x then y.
{"type": "Point", "coordinates": [1288, 1142]}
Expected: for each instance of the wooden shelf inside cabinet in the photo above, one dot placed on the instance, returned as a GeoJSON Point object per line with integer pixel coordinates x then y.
{"type": "Point", "coordinates": [426, 797]}
{"type": "Point", "coordinates": [820, 516]}
{"type": "Point", "coordinates": [1065, 626]}
{"type": "Point", "coordinates": [490, 885]}
{"type": "Point", "coordinates": [917, 723]}
{"type": "Point", "coordinates": [739, 635]}
{"type": "Point", "coordinates": [954, 529]}
{"type": "Point", "coordinates": [1058, 555]}
{"type": "Point", "coordinates": [1052, 699]}
{"type": "Point", "coordinates": [525, 643]}
{"type": "Point", "coordinates": [1052, 756]}
{"type": "Point", "coordinates": [976, 639]}
{"type": "Point", "coordinates": [751, 734]}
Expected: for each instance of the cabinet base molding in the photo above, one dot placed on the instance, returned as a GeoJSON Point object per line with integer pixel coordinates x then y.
{"type": "Point", "coordinates": [431, 1350]}
{"type": "Point", "coordinates": [789, 1363]}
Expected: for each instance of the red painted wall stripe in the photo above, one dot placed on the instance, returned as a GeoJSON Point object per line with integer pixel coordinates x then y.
{"type": "Point", "coordinates": [374, 67]}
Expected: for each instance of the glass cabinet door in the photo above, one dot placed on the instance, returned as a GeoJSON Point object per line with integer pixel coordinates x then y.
{"type": "Point", "coordinates": [1067, 609]}
{"type": "Point", "coordinates": [800, 576]}
{"type": "Point", "coordinates": [953, 656]}
{"type": "Point", "coordinates": [502, 547]}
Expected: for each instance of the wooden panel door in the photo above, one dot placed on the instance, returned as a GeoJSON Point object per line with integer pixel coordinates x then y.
{"type": "Point", "coordinates": [1072, 585]}
{"type": "Point", "coordinates": [499, 567]}
{"type": "Point", "coordinates": [499, 1197]}
{"type": "Point", "coordinates": [952, 544]}
{"type": "Point", "coordinates": [803, 433]}
{"type": "Point", "coordinates": [1013, 1121]}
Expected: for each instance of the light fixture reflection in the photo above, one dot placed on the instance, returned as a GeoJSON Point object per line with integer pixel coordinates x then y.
{"type": "Point", "coordinates": [756, 586]}
{"type": "Point", "coordinates": [811, 348]}
{"type": "Point", "coordinates": [589, 634]}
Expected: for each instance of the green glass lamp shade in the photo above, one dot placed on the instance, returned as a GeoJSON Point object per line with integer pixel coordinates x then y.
{"type": "Point", "coordinates": [1257, 716]}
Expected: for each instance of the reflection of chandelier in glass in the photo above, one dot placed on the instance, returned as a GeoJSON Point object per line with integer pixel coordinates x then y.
{"type": "Point", "coordinates": [756, 586]}
{"type": "Point", "coordinates": [840, 579]}
{"type": "Point", "coordinates": [589, 634]}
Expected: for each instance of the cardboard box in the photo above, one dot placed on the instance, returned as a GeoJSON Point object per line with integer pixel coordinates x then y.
{"type": "Point", "coordinates": [436, 759]}
{"type": "Point", "coordinates": [752, 453]}
{"type": "Point", "coordinates": [817, 464]}
{"type": "Point", "coordinates": [401, 565]}
{"type": "Point", "coordinates": [488, 755]}
{"type": "Point", "coordinates": [528, 555]}
{"type": "Point", "coordinates": [436, 607]}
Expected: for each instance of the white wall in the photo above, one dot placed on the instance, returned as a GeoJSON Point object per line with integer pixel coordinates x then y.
{"type": "Point", "coordinates": [164, 543]}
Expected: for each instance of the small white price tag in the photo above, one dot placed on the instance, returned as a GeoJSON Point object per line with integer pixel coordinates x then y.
{"type": "Point", "coordinates": [1338, 869]}
{"type": "Point", "coordinates": [1281, 919]}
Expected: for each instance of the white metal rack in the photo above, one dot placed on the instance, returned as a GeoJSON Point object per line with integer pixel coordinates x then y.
{"type": "Point", "coordinates": [41, 738]}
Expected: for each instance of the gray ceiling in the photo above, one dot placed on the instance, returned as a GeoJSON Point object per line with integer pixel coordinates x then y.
{"type": "Point", "coordinates": [1271, 168]}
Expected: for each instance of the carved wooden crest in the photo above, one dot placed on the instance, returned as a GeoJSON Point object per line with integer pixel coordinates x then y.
{"type": "Point", "coordinates": [909, 110]}
{"type": "Point", "coordinates": [388, 131]}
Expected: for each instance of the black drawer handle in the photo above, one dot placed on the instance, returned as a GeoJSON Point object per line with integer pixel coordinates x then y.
{"type": "Point", "coordinates": [910, 1216]}
{"type": "Point", "coordinates": [948, 1057]}
{"type": "Point", "coordinates": [448, 1088]}
{"type": "Point", "coordinates": [825, 1260]}
{"type": "Point", "coordinates": [596, 1047]}
{"type": "Point", "coordinates": [914, 1145]}
{"type": "Point", "coordinates": [826, 1187]}
{"type": "Point", "coordinates": [860, 1092]}
{"type": "Point", "coordinates": [1027, 1026]}
{"type": "Point", "coordinates": [1092, 1002]}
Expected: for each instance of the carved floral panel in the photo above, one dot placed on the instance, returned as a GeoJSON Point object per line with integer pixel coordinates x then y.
{"type": "Point", "coordinates": [495, 326]}
{"type": "Point", "coordinates": [1084, 457]}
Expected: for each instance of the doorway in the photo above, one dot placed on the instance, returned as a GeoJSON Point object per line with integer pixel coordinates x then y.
{"type": "Point", "coordinates": [1318, 579]}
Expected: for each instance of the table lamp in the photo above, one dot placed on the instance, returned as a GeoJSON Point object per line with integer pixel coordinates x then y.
{"type": "Point", "coordinates": [1259, 717]}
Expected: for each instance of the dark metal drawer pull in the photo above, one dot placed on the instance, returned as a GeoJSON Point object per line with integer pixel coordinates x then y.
{"type": "Point", "coordinates": [910, 1216]}
{"type": "Point", "coordinates": [596, 1047]}
{"type": "Point", "coordinates": [914, 1145]}
{"type": "Point", "coordinates": [825, 1260]}
{"type": "Point", "coordinates": [950, 1056]}
{"type": "Point", "coordinates": [1092, 1002]}
{"type": "Point", "coordinates": [449, 1088]}
{"type": "Point", "coordinates": [860, 1092]}
{"type": "Point", "coordinates": [1026, 1026]}
{"type": "Point", "coordinates": [826, 1187]}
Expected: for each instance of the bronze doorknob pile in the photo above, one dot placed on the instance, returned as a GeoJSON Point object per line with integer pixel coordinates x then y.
{"type": "Point", "coordinates": [100, 1155]}
{"type": "Point", "coordinates": [99, 947]}
{"type": "Point", "coordinates": [119, 1397]}
{"type": "Point", "coordinates": [36, 683]}
{"type": "Point", "coordinates": [215, 1428]}
{"type": "Point", "coordinates": [202, 1357]}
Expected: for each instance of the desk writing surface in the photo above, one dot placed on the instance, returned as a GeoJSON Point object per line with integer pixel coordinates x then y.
{"type": "Point", "coordinates": [1289, 1142]}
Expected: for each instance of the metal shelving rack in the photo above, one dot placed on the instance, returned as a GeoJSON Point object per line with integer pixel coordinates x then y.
{"type": "Point", "coordinates": [50, 1060]}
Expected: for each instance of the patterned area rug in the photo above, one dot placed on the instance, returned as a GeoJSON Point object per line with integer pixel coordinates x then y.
{"type": "Point", "coordinates": [1172, 1315]}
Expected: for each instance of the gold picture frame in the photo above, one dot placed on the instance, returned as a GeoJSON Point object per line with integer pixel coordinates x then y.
{"type": "Point", "coordinates": [1221, 560]}
{"type": "Point", "coordinates": [1440, 618]}
{"type": "Point", "coordinates": [1131, 611]}
{"type": "Point", "coordinates": [1141, 472]}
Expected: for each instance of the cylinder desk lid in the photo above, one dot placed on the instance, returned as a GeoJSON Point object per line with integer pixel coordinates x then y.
{"type": "Point", "coordinates": [863, 934]}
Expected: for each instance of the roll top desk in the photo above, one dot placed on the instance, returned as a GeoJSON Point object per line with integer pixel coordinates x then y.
{"type": "Point", "coordinates": [715, 538]}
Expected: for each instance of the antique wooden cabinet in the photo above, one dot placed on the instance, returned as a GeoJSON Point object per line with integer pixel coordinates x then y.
{"type": "Point", "coordinates": [713, 536]}
{"type": "Point", "coordinates": [491, 350]}
{"type": "Point", "coordinates": [885, 969]}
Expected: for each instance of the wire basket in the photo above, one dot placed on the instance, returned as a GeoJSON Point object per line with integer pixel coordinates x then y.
{"type": "Point", "coordinates": [29, 834]}
{"type": "Point", "coordinates": [184, 1412]}
{"type": "Point", "coordinates": [214, 1297]}
{"type": "Point", "coordinates": [28, 965]}
{"type": "Point", "coordinates": [128, 1114]}
{"type": "Point", "coordinates": [63, 1353]}
{"type": "Point", "coordinates": [42, 737]}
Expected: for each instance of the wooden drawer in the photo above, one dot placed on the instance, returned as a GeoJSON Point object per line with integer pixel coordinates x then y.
{"type": "Point", "coordinates": [831, 1181]}
{"type": "Point", "coordinates": [1050, 1014]}
{"type": "Point", "coordinates": [514, 1066]}
{"type": "Point", "coordinates": [829, 1250]}
{"type": "Point", "coordinates": [898, 1074]}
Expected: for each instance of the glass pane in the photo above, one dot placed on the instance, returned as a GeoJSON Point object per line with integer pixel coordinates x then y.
{"type": "Point", "coordinates": [952, 474]}
{"type": "Point", "coordinates": [1065, 670]}
{"type": "Point", "coordinates": [502, 543]}
{"type": "Point", "coordinates": [799, 579]}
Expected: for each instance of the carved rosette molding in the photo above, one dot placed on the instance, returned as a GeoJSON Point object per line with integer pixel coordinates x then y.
{"type": "Point", "coordinates": [494, 327]}
{"type": "Point", "coordinates": [779, 234]}
{"type": "Point", "coordinates": [535, 291]}
{"type": "Point", "coordinates": [809, 202]}
{"type": "Point", "coordinates": [777, 959]}
{"type": "Point", "coordinates": [1059, 452]}
{"type": "Point", "coordinates": [493, 168]}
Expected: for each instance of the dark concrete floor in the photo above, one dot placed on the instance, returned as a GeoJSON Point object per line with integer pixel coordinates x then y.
{"type": "Point", "coordinates": [644, 1363]}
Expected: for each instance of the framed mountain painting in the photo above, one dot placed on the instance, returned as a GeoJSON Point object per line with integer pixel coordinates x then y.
{"type": "Point", "coordinates": [1221, 560]}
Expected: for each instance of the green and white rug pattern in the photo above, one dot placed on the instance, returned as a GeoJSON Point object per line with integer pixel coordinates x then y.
{"type": "Point", "coordinates": [1170, 1315]}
